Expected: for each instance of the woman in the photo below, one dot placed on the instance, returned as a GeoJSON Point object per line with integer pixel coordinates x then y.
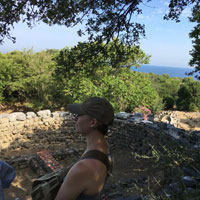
{"type": "Point", "coordinates": [86, 178]}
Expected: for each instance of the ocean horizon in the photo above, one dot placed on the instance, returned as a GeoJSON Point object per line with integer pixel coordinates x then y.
{"type": "Point", "coordinates": [171, 71]}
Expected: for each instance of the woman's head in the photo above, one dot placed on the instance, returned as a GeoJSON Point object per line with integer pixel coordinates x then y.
{"type": "Point", "coordinates": [94, 113]}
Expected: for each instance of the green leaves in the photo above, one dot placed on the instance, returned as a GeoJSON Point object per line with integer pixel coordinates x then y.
{"type": "Point", "coordinates": [195, 35]}
{"type": "Point", "coordinates": [94, 69]}
{"type": "Point", "coordinates": [89, 56]}
{"type": "Point", "coordinates": [25, 76]}
{"type": "Point", "coordinates": [103, 20]}
{"type": "Point", "coordinates": [189, 95]}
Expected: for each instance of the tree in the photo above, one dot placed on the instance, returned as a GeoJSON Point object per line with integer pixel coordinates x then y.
{"type": "Point", "coordinates": [11, 75]}
{"type": "Point", "coordinates": [167, 88]}
{"type": "Point", "coordinates": [83, 64]}
{"type": "Point", "coordinates": [195, 34]}
{"type": "Point", "coordinates": [86, 58]}
{"type": "Point", "coordinates": [124, 88]}
{"type": "Point", "coordinates": [27, 77]}
{"type": "Point", "coordinates": [103, 20]}
{"type": "Point", "coordinates": [189, 95]}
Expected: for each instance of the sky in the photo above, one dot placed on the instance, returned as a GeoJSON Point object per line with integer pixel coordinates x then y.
{"type": "Point", "coordinates": [167, 42]}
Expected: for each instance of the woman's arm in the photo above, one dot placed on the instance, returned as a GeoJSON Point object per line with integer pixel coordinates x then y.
{"type": "Point", "coordinates": [75, 182]}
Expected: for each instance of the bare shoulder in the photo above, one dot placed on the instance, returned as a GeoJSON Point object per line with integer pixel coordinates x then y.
{"type": "Point", "coordinates": [82, 168]}
{"type": "Point", "coordinates": [88, 167]}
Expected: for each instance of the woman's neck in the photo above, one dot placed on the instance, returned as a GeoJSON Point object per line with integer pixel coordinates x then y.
{"type": "Point", "coordinates": [96, 140]}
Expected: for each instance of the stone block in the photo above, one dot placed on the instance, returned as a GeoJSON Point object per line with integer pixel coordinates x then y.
{"type": "Point", "coordinates": [30, 115]}
{"type": "Point", "coordinates": [44, 114]}
{"type": "Point", "coordinates": [55, 114]}
{"type": "Point", "coordinates": [20, 116]}
{"type": "Point", "coordinates": [122, 115]}
{"type": "Point", "coordinates": [4, 116]}
{"type": "Point", "coordinates": [63, 114]}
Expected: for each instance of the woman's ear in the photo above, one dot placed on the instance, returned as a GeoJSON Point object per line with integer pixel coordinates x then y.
{"type": "Point", "coordinates": [93, 123]}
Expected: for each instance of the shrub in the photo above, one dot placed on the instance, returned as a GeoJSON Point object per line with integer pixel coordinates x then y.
{"type": "Point", "coordinates": [168, 103]}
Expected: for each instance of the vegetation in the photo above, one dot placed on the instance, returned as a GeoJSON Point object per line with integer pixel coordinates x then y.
{"type": "Point", "coordinates": [167, 88]}
{"type": "Point", "coordinates": [53, 78]}
{"type": "Point", "coordinates": [102, 20]}
{"type": "Point", "coordinates": [183, 94]}
{"type": "Point", "coordinates": [189, 95]}
{"type": "Point", "coordinates": [195, 34]}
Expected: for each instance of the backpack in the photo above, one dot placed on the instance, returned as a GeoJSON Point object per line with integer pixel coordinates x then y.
{"type": "Point", "coordinates": [47, 186]}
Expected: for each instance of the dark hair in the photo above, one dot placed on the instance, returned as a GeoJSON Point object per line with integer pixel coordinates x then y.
{"type": "Point", "coordinates": [102, 128]}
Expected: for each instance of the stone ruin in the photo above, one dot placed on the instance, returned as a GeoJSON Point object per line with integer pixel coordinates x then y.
{"type": "Point", "coordinates": [54, 131]}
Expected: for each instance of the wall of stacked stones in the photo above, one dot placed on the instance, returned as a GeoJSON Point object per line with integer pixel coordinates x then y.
{"type": "Point", "coordinates": [46, 129]}
{"type": "Point", "coordinates": [39, 130]}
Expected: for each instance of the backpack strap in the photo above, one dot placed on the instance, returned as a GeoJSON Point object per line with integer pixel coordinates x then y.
{"type": "Point", "coordinates": [98, 155]}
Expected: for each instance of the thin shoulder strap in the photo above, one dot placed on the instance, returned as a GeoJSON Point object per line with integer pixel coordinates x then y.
{"type": "Point", "coordinates": [95, 154]}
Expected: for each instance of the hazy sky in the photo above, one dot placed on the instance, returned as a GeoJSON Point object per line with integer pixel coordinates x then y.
{"type": "Point", "coordinates": [166, 41]}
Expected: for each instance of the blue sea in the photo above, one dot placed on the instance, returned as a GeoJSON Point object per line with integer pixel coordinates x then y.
{"type": "Point", "coordinates": [171, 71]}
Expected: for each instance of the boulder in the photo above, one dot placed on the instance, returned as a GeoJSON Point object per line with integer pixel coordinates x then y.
{"type": "Point", "coordinates": [30, 115]}
{"type": "Point", "coordinates": [122, 115]}
{"type": "Point", "coordinates": [44, 114]}
{"type": "Point", "coordinates": [20, 116]}
{"type": "Point", "coordinates": [4, 116]}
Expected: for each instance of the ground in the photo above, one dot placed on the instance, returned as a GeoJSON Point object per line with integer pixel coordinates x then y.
{"type": "Point", "coordinates": [189, 120]}
{"type": "Point", "coordinates": [126, 167]}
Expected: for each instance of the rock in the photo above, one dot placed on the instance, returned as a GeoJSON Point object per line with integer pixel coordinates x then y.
{"type": "Point", "coordinates": [189, 181]}
{"type": "Point", "coordinates": [63, 114]}
{"type": "Point", "coordinates": [173, 133]}
{"type": "Point", "coordinates": [147, 122]}
{"type": "Point", "coordinates": [11, 118]}
{"type": "Point", "coordinates": [190, 172]}
{"type": "Point", "coordinates": [138, 115]}
{"type": "Point", "coordinates": [20, 116]}
{"type": "Point", "coordinates": [30, 115]}
{"type": "Point", "coordinates": [197, 146]}
{"type": "Point", "coordinates": [4, 116]}
{"type": "Point", "coordinates": [55, 114]}
{"type": "Point", "coordinates": [150, 117]}
{"type": "Point", "coordinates": [137, 118]}
{"type": "Point", "coordinates": [122, 115]}
{"type": "Point", "coordinates": [165, 194]}
{"type": "Point", "coordinates": [44, 114]}
{"type": "Point", "coordinates": [162, 125]}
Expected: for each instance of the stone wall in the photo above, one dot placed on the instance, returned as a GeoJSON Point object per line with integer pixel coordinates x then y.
{"type": "Point", "coordinates": [19, 131]}
{"type": "Point", "coordinates": [28, 132]}
{"type": "Point", "coordinates": [31, 132]}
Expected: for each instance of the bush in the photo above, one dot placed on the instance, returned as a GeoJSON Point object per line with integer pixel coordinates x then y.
{"type": "Point", "coordinates": [193, 107]}
{"type": "Point", "coordinates": [168, 103]}
{"type": "Point", "coordinates": [189, 95]}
